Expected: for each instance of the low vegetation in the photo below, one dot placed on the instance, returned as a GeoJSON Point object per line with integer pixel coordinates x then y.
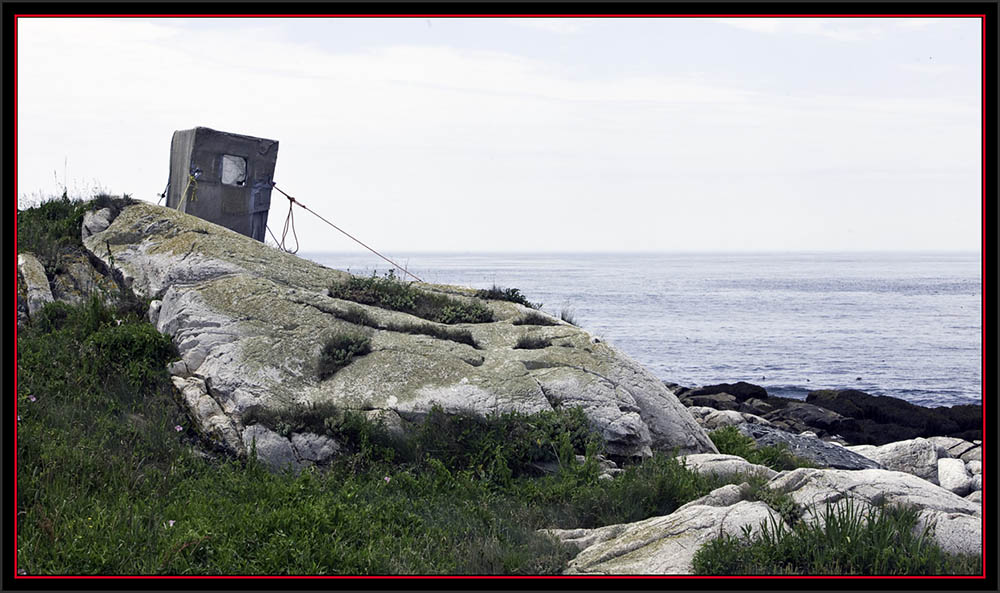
{"type": "Point", "coordinates": [730, 441]}
{"type": "Point", "coordinates": [52, 229]}
{"type": "Point", "coordinates": [513, 295]}
{"type": "Point", "coordinates": [532, 343]}
{"type": "Point", "coordinates": [339, 351]}
{"type": "Point", "coordinates": [112, 478]}
{"type": "Point", "coordinates": [568, 316]}
{"type": "Point", "coordinates": [389, 292]}
{"type": "Point", "coordinates": [106, 465]}
{"type": "Point", "coordinates": [359, 316]}
{"type": "Point", "coordinates": [535, 319]}
{"type": "Point", "coordinates": [848, 539]}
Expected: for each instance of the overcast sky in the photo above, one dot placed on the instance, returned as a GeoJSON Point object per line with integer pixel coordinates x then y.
{"type": "Point", "coordinates": [535, 134]}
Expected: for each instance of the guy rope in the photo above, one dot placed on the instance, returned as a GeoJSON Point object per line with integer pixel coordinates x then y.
{"type": "Point", "coordinates": [290, 223]}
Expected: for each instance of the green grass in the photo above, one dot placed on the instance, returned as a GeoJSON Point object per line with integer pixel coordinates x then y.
{"type": "Point", "coordinates": [359, 316]}
{"type": "Point", "coordinates": [848, 540]}
{"type": "Point", "coordinates": [535, 319]}
{"type": "Point", "coordinates": [532, 343]}
{"type": "Point", "coordinates": [513, 295]}
{"type": "Point", "coordinates": [339, 351]}
{"type": "Point", "coordinates": [102, 473]}
{"type": "Point", "coordinates": [730, 441]}
{"type": "Point", "coordinates": [53, 228]}
{"type": "Point", "coordinates": [389, 292]}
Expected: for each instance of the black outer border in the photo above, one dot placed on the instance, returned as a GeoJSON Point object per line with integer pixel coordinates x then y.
{"type": "Point", "coordinates": [605, 8]}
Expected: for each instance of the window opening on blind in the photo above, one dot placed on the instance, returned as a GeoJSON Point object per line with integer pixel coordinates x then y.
{"type": "Point", "coordinates": [234, 170]}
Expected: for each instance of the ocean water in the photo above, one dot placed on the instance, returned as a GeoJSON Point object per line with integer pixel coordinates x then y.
{"type": "Point", "coordinates": [907, 325]}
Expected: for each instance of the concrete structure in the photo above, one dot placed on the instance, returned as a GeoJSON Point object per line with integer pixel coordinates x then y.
{"type": "Point", "coordinates": [223, 178]}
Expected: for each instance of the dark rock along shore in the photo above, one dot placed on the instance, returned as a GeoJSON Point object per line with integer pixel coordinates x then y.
{"type": "Point", "coordinates": [851, 416]}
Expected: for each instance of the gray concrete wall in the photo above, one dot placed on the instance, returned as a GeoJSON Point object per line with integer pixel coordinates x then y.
{"type": "Point", "coordinates": [242, 207]}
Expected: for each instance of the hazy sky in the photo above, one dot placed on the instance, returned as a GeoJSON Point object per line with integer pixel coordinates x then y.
{"type": "Point", "coordinates": [535, 134]}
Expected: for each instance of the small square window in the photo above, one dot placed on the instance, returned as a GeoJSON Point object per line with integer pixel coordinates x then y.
{"type": "Point", "coordinates": [234, 170]}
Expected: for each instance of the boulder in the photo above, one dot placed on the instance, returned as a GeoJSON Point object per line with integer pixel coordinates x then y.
{"type": "Point", "coordinates": [584, 538]}
{"type": "Point", "coordinates": [974, 467]}
{"type": "Point", "coordinates": [812, 449]}
{"type": "Point", "coordinates": [274, 450]}
{"type": "Point", "coordinates": [723, 496]}
{"type": "Point", "coordinates": [313, 447]}
{"type": "Point", "coordinates": [916, 456]}
{"type": "Point", "coordinates": [667, 545]}
{"type": "Point", "coordinates": [699, 413]}
{"type": "Point", "coordinates": [724, 465]}
{"type": "Point", "coordinates": [974, 454]}
{"type": "Point", "coordinates": [209, 419]}
{"type": "Point", "coordinates": [882, 419]}
{"type": "Point", "coordinates": [958, 526]}
{"type": "Point", "coordinates": [956, 533]}
{"type": "Point", "coordinates": [95, 221]}
{"type": "Point", "coordinates": [976, 497]}
{"type": "Point", "coordinates": [716, 401]}
{"type": "Point", "coordinates": [801, 417]}
{"type": "Point", "coordinates": [153, 313]}
{"type": "Point", "coordinates": [32, 273]}
{"type": "Point", "coordinates": [756, 406]}
{"type": "Point", "coordinates": [76, 280]}
{"type": "Point", "coordinates": [950, 446]}
{"type": "Point", "coordinates": [251, 321]}
{"type": "Point", "coordinates": [741, 390]}
{"type": "Point", "coordinates": [721, 418]}
{"type": "Point", "coordinates": [952, 476]}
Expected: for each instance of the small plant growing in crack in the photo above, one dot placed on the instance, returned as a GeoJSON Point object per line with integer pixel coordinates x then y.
{"type": "Point", "coordinates": [339, 351]}
{"type": "Point", "coordinates": [532, 343]}
{"type": "Point", "coordinates": [534, 318]}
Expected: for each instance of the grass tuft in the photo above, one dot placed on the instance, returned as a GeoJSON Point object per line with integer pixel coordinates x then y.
{"type": "Point", "coordinates": [532, 343]}
{"type": "Point", "coordinates": [513, 295]}
{"type": "Point", "coordinates": [339, 351]}
{"type": "Point", "coordinates": [359, 316]}
{"type": "Point", "coordinates": [568, 316]}
{"type": "Point", "coordinates": [848, 539]}
{"type": "Point", "coordinates": [730, 441]}
{"type": "Point", "coordinates": [389, 292]}
{"type": "Point", "coordinates": [535, 319]}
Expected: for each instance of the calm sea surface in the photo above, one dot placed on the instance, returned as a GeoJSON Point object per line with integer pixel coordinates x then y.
{"type": "Point", "coordinates": [906, 325]}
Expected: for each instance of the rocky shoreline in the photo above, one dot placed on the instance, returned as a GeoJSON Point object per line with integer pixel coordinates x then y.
{"type": "Point", "coordinates": [850, 429]}
{"type": "Point", "coordinates": [847, 434]}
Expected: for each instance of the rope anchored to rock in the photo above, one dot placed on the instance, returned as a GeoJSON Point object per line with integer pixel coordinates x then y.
{"type": "Point", "coordinates": [290, 223]}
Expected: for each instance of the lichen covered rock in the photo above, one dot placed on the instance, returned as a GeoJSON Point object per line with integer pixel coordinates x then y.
{"type": "Point", "coordinates": [251, 321]}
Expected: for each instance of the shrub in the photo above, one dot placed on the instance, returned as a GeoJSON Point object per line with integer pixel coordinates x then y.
{"type": "Point", "coordinates": [532, 343]}
{"type": "Point", "coordinates": [135, 351]}
{"type": "Point", "coordinates": [730, 441]}
{"type": "Point", "coordinates": [322, 418]}
{"type": "Point", "coordinates": [339, 351]}
{"type": "Point", "coordinates": [391, 293]}
{"type": "Point", "coordinates": [53, 228]}
{"type": "Point", "coordinates": [880, 540]}
{"type": "Point", "coordinates": [512, 295]}
{"type": "Point", "coordinates": [504, 445]}
{"type": "Point", "coordinates": [568, 316]}
{"type": "Point", "coordinates": [535, 319]}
